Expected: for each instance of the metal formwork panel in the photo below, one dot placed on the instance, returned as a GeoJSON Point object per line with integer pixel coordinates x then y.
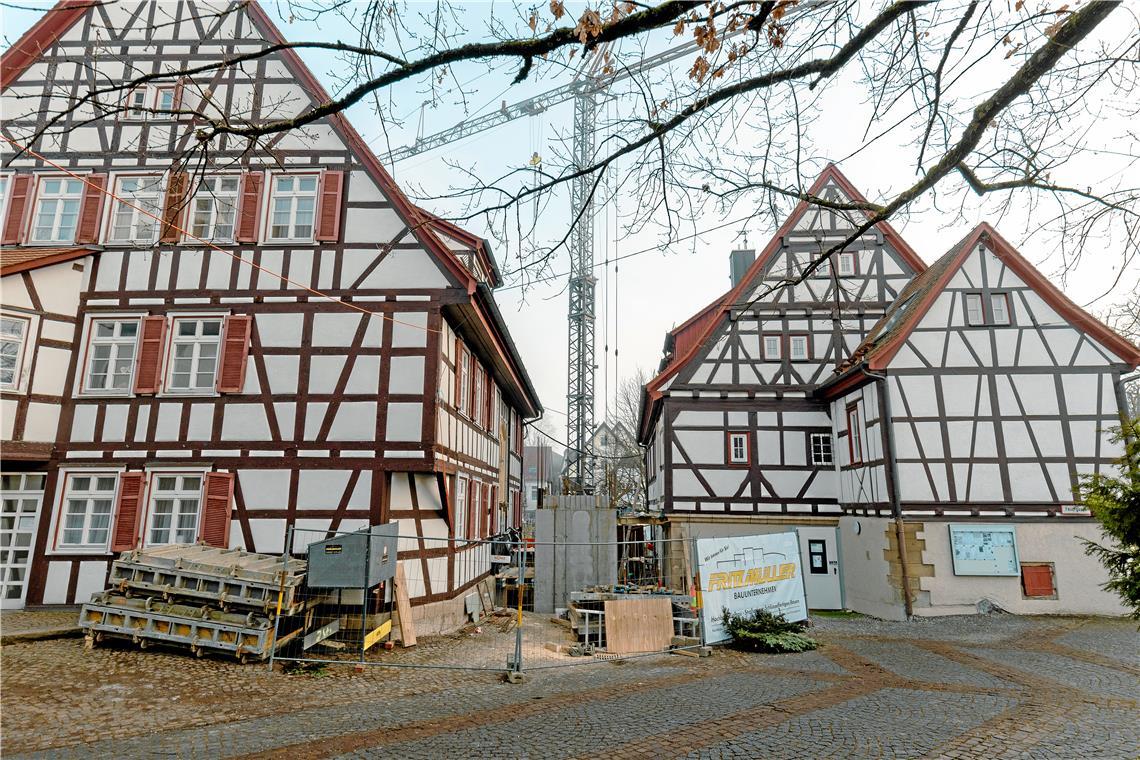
{"type": "Point", "coordinates": [226, 577]}
{"type": "Point", "coordinates": [144, 620]}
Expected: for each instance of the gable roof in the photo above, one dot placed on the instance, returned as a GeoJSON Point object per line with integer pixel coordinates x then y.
{"type": "Point", "coordinates": [65, 13]}
{"type": "Point", "coordinates": [691, 335]}
{"type": "Point", "coordinates": [890, 333]}
{"type": "Point", "coordinates": [479, 245]}
{"type": "Point", "coordinates": [15, 260]}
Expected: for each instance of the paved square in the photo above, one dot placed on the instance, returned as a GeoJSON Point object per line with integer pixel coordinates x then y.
{"type": "Point", "coordinates": [995, 686]}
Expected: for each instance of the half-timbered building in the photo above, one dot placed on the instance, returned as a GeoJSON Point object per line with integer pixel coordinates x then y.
{"type": "Point", "coordinates": [277, 339]}
{"type": "Point", "coordinates": [736, 441]}
{"type": "Point", "coordinates": [40, 290]}
{"type": "Point", "coordinates": [962, 426]}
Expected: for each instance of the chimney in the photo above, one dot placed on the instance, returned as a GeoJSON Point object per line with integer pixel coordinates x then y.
{"type": "Point", "coordinates": [739, 261]}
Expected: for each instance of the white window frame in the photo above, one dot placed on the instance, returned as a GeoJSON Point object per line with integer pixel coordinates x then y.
{"type": "Point", "coordinates": [136, 215]}
{"type": "Point", "coordinates": [57, 216]}
{"type": "Point", "coordinates": [136, 111]}
{"type": "Point", "coordinates": [854, 436]}
{"type": "Point", "coordinates": [196, 342]}
{"type": "Point", "coordinates": [179, 495]}
{"type": "Point", "coordinates": [733, 440]}
{"type": "Point", "coordinates": [848, 264]}
{"type": "Point", "coordinates": [464, 369]}
{"type": "Point", "coordinates": [158, 90]}
{"type": "Point", "coordinates": [1002, 298]}
{"type": "Point", "coordinates": [805, 340]}
{"type": "Point", "coordinates": [5, 183]}
{"type": "Point", "coordinates": [293, 196]}
{"type": "Point", "coordinates": [822, 455]}
{"type": "Point", "coordinates": [90, 340]}
{"type": "Point", "coordinates": [969, 298]}
{"type": "Point", "coordinates": [824, 268]}
{"type": "Point", "coordinates": [203, 192]}
{"type": "Point", "coordinates": [60, 528]}
{"type": "Point", "coordinates": [461, 502]}
{"type": "Point", "coordinates": [768, 355]}
{"type": "Point", "coordinates": [21, 350]}
{"type": "Point", "coordinates": [21, 495]}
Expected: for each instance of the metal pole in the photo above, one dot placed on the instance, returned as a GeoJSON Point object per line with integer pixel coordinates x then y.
{"type": "Point", "coordinates": [280, 595]}
{"type": "Point", "coordinates": [364, 596]}
{"type": "Point", "coordinates": [519, 592]}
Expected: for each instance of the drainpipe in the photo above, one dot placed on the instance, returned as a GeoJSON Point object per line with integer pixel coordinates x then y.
{"type": "Point", "coordinates": [885, 418]}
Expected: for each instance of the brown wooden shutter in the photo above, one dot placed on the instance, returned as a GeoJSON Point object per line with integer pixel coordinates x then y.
{"type": "Point", "coordinates": [148, 378]}
{"type": "Point", "coordinates": [328, 223]}
{"type": "Point", "coordinates": [235, 350]}
{"type": "Point", "coordinates": [1037, 580]}
{"type": "Point", "coordinates": [126, 533]}
{"type": "Point", "coordinates": [172, 209]}
{"type": "Point", "coordinates": [219, 491]}
{"type": "Point", "coordinates": [91, 211]}
{"type": "Point", "coordinates": [250, 210]}
{"type": "Point", "coordinates": [18, 201]}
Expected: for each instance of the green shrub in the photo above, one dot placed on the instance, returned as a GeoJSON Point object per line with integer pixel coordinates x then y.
{"type": "Point", "coordinates": [762, 631]}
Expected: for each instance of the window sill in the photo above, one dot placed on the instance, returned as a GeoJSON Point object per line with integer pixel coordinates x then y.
{"type": "Point", "coordinates": [105, 394]}
{"type": "Point", "coordinates": [187, 393]}
{"type": "Point", "coordinates": [286, 241]}
{"type": "Point", "coordinates": [49, 243]}
{"type": "Point", "coordinates": [93, 550]}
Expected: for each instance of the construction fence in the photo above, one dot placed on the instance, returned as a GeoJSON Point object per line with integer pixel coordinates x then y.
{"type": "Point", "coordinates": [507, 603]}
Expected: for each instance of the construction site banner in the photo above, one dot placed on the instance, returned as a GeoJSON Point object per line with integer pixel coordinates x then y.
{"type": "Point", "coordinates": [744, 573]}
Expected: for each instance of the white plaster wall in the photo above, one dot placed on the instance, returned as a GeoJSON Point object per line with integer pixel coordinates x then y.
{"type": "Point", "coordinates": [1077, 576]}
{"type": "Point", "coordinates": [864, 568]}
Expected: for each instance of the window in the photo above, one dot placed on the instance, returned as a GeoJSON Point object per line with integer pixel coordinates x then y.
{"type": "Point", "coordinates": [194, 358]}
{"type": "Point", "coordinates": [772, 347]}
{"type": "Point", "coordinates": [112, 354]}
{"type": "Point", "coordinates": [848, 265]}
{"type": "Point", "coordinates": [87, 505]}
{"type": "Point", "coordinates": [214, 208]}
{"type": "Point", "coordinates": [974, 315]}
{"type": "Point", "coordinates": [130, 224]}
{"type": "Point", "coordinates": [798, 348]}
{"type": "Point", "coordinates": [463, 386]}
{"type": "Point", "coordinates": [165, 99]}
{"type": "Point", "coordinates": [999, 308]}
{"type": "Point", "coordinates": [136, 103]}
{"type": "Point", "coordinates": [13, 334]}
{"type": "Point", "coordinates": [854, 435]}
{"type": "Point", "coordinates": [461, 507]}
{"type": "Point", "coordinates": [57, 210]}
{"type": "Point", "coordinates": [820, 449]}
{"type": "Point", "coordinates": [738, 448]}
{"type": "Point", "coordinates": [174, 508]}
{"type": "Point", "coordinates": [293, 207]}
{"type": "Point", "coordinates": [477, 408]}
{"type": "Point", "coordinates": [824, 269]}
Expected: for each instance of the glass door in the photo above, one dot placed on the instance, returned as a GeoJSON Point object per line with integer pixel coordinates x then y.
{"type": "Point", "coordinates": [21, 495]}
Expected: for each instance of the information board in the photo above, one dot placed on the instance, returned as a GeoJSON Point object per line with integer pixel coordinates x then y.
{"type": "Point", "coordinates": [984, 550]}
{"type": "Point", "coordinates": [744, 573]}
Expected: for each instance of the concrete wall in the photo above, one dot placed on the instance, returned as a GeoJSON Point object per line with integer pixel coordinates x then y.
{"type": "Point", "coordinates": [575, 547]}
{"type": "Point", "coordinates": [1077, 577]}
{"type": "Point", "coordinates": [864, 545]}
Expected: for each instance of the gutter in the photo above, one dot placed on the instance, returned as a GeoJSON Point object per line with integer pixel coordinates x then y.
{"type": "Point", "coordinates": [487, 297]}
{"type": "Point", "coordinates": [885, 417]}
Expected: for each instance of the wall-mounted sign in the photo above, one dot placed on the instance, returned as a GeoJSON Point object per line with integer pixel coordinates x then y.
{"type": "Point", "coordinates": [984, 550]}
{"type": "Point", "coordinates": [1075, 509]}
{"type": "Point", "coordinates": [743, 573]}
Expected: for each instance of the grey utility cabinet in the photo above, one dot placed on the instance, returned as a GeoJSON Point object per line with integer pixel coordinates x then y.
{"type": "Point", "coordinates": [362, 559]}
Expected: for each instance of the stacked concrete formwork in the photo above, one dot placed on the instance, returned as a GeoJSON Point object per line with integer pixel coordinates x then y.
{"type": "Point", "coordinates": [575, 548]}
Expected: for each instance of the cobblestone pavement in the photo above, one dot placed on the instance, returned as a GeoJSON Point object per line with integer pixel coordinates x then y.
{"type": "Point", "coordinates": [985, 687]}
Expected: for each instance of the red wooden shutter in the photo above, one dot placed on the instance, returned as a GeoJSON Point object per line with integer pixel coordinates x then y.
{"type": "Point", "coordinates": [172, 209]}
{"type": "Point", "coordinates": [1037, 580]}
{"type": "Point", "coordinates": [18, 201]}
{"type": "Point", "coordinates": [91, 211]}
{"type": "Point", "coordinates": [179, 86]}
{"type": "Point", "coordinates": [215, 529]}
{"type": "Point", "coordinates": [126, 533]}
{"type": "Point", "coordinates": [235, 350]}
{"type": "Point", "coordinates": [328, 223]}
{"type": "Point", "coordinates": [148, 378]}
{"type": "Point", "coordinates": [250, 211]}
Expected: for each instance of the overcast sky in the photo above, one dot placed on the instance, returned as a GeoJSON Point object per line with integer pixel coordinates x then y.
{"type": "Point", "coordinates": [657, 289]}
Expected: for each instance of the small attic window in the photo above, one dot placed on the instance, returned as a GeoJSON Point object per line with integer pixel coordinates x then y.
{"type": "Point", "coordinates": [894, 318]}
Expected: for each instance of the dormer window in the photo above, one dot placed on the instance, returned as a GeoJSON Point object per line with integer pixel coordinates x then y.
{"type": "Point", "coordinates": [847, 265]}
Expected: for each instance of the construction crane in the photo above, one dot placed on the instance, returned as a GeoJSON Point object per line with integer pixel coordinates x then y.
{"type": "Point", "coordinates": [584, 91]}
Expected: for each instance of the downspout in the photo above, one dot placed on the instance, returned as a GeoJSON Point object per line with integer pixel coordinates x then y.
{"type": "Point", "coordinates": [885, 419]}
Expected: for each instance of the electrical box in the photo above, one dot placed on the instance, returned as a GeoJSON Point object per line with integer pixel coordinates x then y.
{"type": "Point", "coordinates": [362, 559]}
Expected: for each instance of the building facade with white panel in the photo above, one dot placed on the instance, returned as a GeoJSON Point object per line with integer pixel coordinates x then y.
{"type": "Point", "coordinates": [736, 440]}
{"type": "Point", "coordinates": [963, 425]}
{"type": "Point", "coordinates": [290, 344]}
